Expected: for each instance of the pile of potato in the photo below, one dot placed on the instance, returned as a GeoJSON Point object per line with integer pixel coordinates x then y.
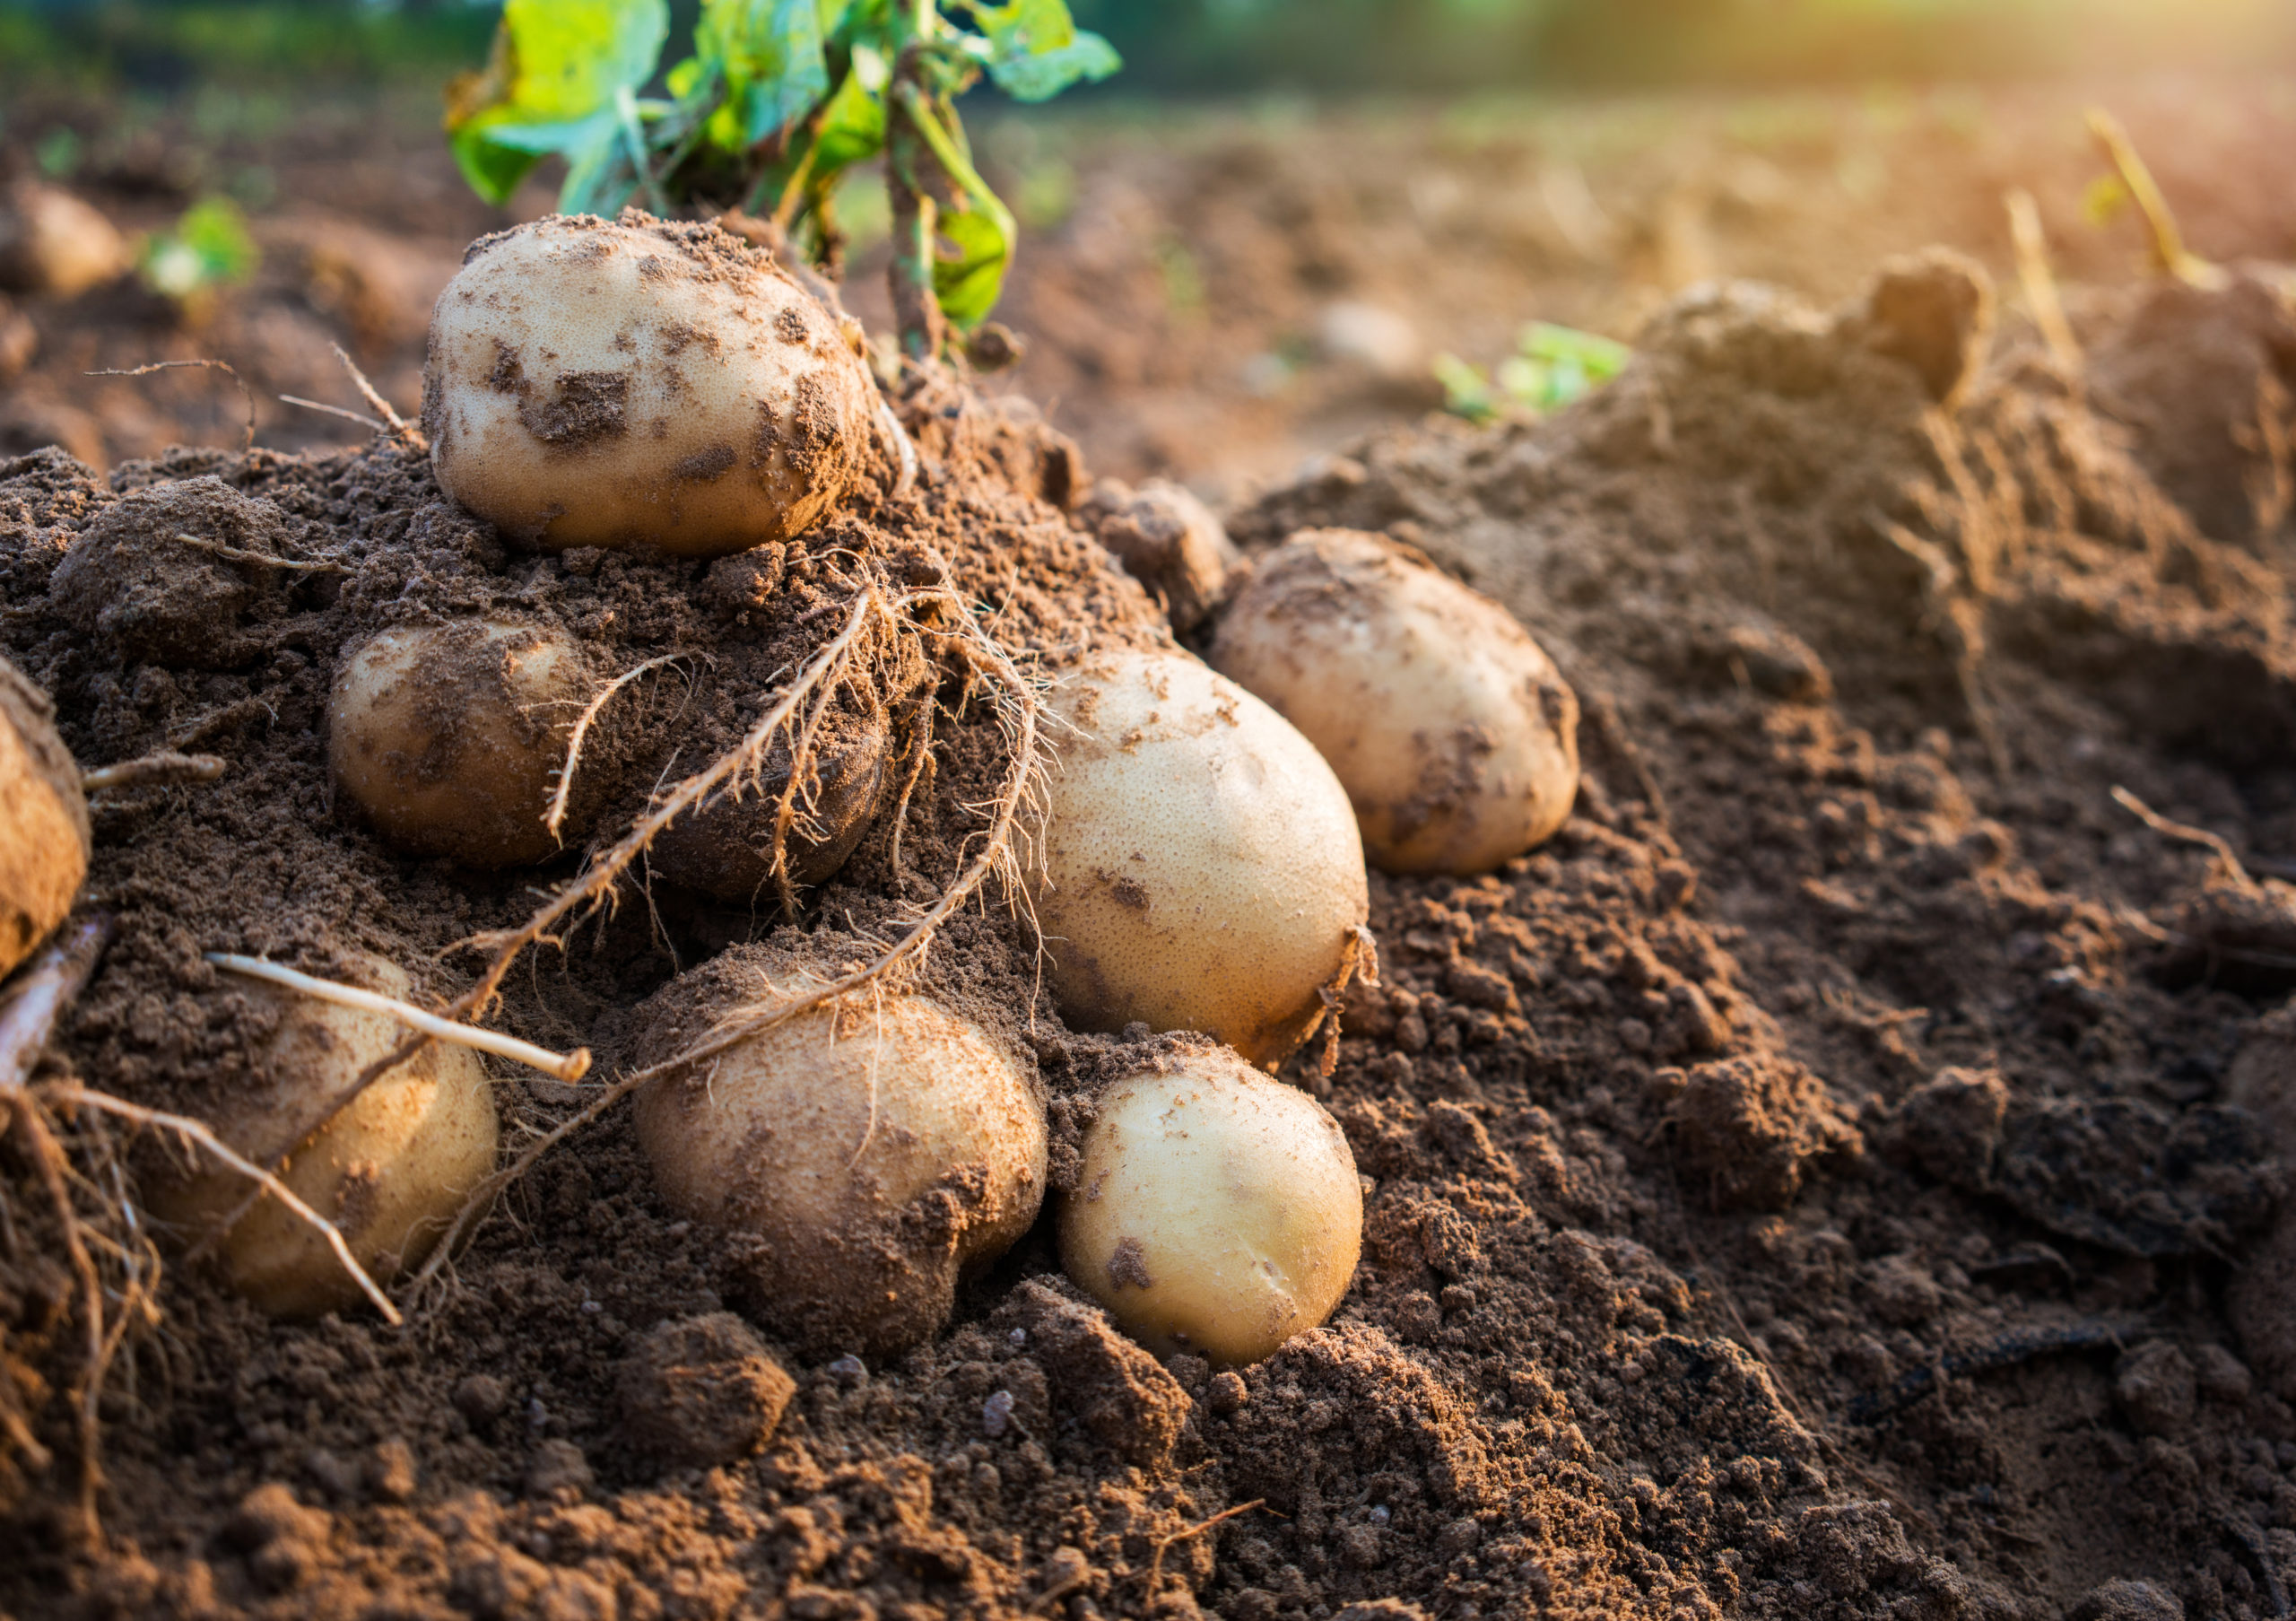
{"type": "Point", "coordinates": [1202, 847]}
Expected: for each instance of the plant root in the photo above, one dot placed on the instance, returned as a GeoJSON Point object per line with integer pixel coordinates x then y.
{"type": "Point", "coordinates": [556, 817]}
{"type": "Point", "coordinates": [164, 768]}
{"type": "Point", "coordinates": [246, 394]}
{"type": "Point", "coordinates": [568, 1067]}
{"type": "Point", "coordinates": [998, 854]}
{"type": "Point", "coordinates": [2169, 255]}
{"type": "Point", "coordinates": [2004, 1351]}
{"type": "Point", "coordinates": [2235, 869]}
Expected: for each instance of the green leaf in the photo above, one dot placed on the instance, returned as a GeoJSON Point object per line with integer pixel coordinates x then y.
{"type": "Point", "coordinates": [853, 121]}
{"type": "Point", "coordinates": [1036, 51]}
{"type": "Point", "coordinates": [772, 53]}
{"type": "Point", "coordinates": [1598, 358]}
{"type": "Point", "coordinates": [551, 85]}
{"type": "Point", "coordinates": [1466, 391]}
{"type": "Point", "coordinates": [966, 284]}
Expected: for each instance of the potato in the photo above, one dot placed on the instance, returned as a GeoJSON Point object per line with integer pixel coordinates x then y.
{"type": "Point", "coordinates": [859, 1160]}
{"type": "Point", "coordinates": [724, 848]}
{"type": "Point", "coordinates": [602, 385]}
{"type": "Point", "coordinates": [44, 844]}
{"type": "Point", "coordinates": [1458, 741]}
{"type": "Point", "coordinates": [1202, 870]}
{"type": "Point", "coordinates": [53, 243]}
{"type": "Point", "coordinates": [389, 1172]}
{"type": "Point", "coordinates": [1218, 1211]}
{"type": "Point", "coordinates": [449, 738]}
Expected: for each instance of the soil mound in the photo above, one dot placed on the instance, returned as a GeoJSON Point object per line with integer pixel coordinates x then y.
{"type": "Point", "coordinates": [1808, 1186]}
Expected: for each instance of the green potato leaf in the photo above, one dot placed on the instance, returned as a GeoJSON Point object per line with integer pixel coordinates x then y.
{"type": "Point", "coordinates": [1036, 51]}
{"type": "Point", "coordinates": [553, 83]}
{"type": "Point", "coordinates": [968, 283]}
{"type": "Point", "coordinates": [774, 55]}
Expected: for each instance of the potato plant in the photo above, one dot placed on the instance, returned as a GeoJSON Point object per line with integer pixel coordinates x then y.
{"type": "Point", "coordinates": [776, 101]}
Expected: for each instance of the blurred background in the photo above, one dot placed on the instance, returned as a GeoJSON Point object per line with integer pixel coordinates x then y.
{"type": "Point", "coordinates": [1282, 225]}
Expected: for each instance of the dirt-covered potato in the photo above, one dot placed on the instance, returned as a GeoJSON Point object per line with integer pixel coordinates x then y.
{"type": "Point", "coordinates": [592, 384]}
{"type": "Point", "coordinates": [389, 1172]}
{"type": "Point", "coordinates": [1456, 739]}
{"type": "Point", "coordinates": [449, 738]}
{"type": "Point", "coordinates": [53, 243]}
{"type": "Point", "coordinates": [1202, 869]}
{"type": "Point", "coordinates": [163, 575]}
{"type": "Point", "coordinates": [1218, 1211]}
{"type": "Point", "coordinates": [43, 820]}
{"type": "Point", "coordinates": [725, 848]}
{"type": "Point", "coordinates": [857, 1160]}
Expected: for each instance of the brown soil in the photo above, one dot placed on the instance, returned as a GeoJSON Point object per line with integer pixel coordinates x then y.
{"type": "Point", "coordinates": [1809, 1186]}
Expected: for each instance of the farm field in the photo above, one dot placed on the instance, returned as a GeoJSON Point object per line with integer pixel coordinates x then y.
{"type": "Point", "coordinates": [1841, 1173]}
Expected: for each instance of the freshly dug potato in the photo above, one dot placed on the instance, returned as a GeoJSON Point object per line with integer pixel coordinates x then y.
{"type": "Point", "coordinates": [449, 738]}
{"type": "Point", "coordinates": [592, 383]}
{"type": "Point", "coordinates": [389, 1172]}
{"type": "Point", "coordinates": [43, 820]}
{"type": "Point", "coordinates": [1202, 869]}
{"type": "Point", "coordinates": [858, 1160]}
{"type": "Point", "coordinates": [1456, 739]}
{"type": "Point", "coordinates": [53, 243]}
{"type": "Point", "coordinates": [1218, 1212]}
{"type": "Point", "coordinates": [724, 848]}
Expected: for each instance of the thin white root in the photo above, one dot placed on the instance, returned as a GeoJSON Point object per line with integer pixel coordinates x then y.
{"type": "Point", "coordinates": [164, 768]}
{"type": "Point", "coordinates": [568, 1067]}
{"type": "Point", "coordinates": [247, 394]}
{"type": "Point", "coordinates": [890, 421]}
{"type": "Point", "coordinates": [557, 816]}
{"type": "Point", "coordinates": [196, 1132]}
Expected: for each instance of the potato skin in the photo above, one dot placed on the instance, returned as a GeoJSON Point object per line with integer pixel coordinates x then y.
{"type": "Point", "coordinates": [449, 738]}
{"type": "Point", "coordinates": [389, 1172]}
{"type": "Point", "coordinates": [1218, 1211]}
{"type": "Point", "coordinates": [597, 384]}
{"type": "Point", "coordinates": [1202, 869]}
{"type": "Point", "coordinates": [859, 1161]}
{"type": "Point", "coordinates": [1454, 735]}
{"type": "Point", "coordinates": [44, 844]}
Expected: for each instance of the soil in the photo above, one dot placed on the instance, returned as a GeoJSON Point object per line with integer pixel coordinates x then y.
{"type": "Point", "coordinates": [1812, 1184]}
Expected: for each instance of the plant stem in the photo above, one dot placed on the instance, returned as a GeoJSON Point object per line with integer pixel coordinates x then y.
{"type": "Point", "coordinates": [916, 311]}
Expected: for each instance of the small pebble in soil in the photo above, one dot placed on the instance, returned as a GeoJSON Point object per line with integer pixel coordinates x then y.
{"type": "Point", "coordinates": [849, 1370]}
{"type": "Point", "coordinates": [996, 1414]}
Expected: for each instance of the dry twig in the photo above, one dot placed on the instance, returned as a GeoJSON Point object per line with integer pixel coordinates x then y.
{"type": "Point", "coordinates": [556, 817]}
{"type": "Point", "coordinates": [225, 367]}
